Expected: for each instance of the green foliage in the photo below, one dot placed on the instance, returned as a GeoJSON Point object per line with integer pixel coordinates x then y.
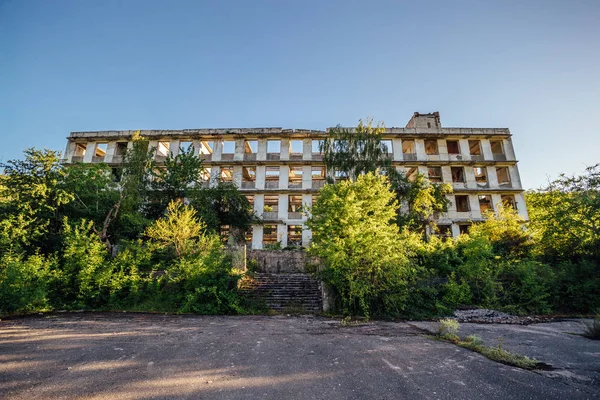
{"type": "Point", "coordinates": [353, 152]}
{"type": "Point", "coordinates": [179, 229]}
{"type": "Point", "coordinates": [23, 283]}
{"type": "Point", "coordinates": [592, 330]}
{"type": "Point", "coordinates": [178, 179]}
{"type": "Point", "coordinates": [30, 198]}
{"type": "Point", "coordinates": [448, 329]}
{"type": "Point", "coordinates": [225, 205]}
{"type": "Point", "coordinates": [354, 233]}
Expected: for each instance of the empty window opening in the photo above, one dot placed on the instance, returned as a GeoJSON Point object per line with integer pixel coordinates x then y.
{"type": "Point", "coordinates": [296, 147]}
{"type": "Point", "coordinates": [271, 204]}
{"type": "Point", "coordinates": [464, 229]}
{"type": "Point", "coordinates": [163, 149]}
{"type": "Point", "coordinates": [429, 125]}
{"type": "Point", "coordinates": [250, 149]}
{"type": "Point", "coordinates": [205, 174]}
{"type": "Point", "coordinates": [458, 174]}
{"type": "Point", "coordinates": [250, 198]}
{"type": "Point", "coordinates": [273, 146]}
{"type": "Point", "coordinates": [206, 147]}
{"type": "Point", "coordinates": [508, 200]}
{"type": "Point", "coordinates": [121, 149]}
{"type": "Point", "coordinates": [485, 204]}
{"type": "Point", "coordinates": [435, 174]}
{"type": "Point", "coordinates": [272, 177]}
{"type": "Point", "coordinates": [294, 235]}
{"type": "Point", "coordinates": [480, 174]}
{"type": "Point", "coordinates": [228, 147]}
{"type": "Point", "coordinates": [462, 203]}
{"type": "Point", "coordinates": [341, 175]}
{"type": "Point", "coordinates": [314, 199]}
{"type": "Point", "coordinates": [226, 174]}
{"type": "Point", "coordinates": [248, 177]}
{"type": "Point", "coordinates": [475, 147]}
{"type": "Point", "coordinates": [453, 147]}
{"type": "Point", "coordinates": [316, 146]}
{"type": "Point", "coordinates": [101, 150]}
{"type": "Point", "coordinates": [411, 173]}
{"type": "Point", "coordinates": [269, 234]}
{"type": "Point", "coordinates": [443, 230]}
{"type": "Point", "coordinates": [185, 146]}
{"type": "Point", "coordinates": [79, 150]}
{"type": "Point", "coordinates": [497, 147]}
{"type": "Point", "coordinates": [386, 146]}
{"type": "Point", "coordinates": [408, 146]}
{"type": "Point", "coordinates": [318, 173]}
{"type": "Point", "coordinates": [295, 177]}
{"type": "Point", "coordinates": [503, 175]}
{"type": "Point", "coordinates": [295, 203]}
{"type": "Point", "coordinates": [117, 173]}
{"type": "Point", "coordinates": [431, 147]}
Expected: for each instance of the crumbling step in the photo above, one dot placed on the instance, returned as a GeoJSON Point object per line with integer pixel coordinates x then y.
{"type": "Point", "coordinates": [281, 292]}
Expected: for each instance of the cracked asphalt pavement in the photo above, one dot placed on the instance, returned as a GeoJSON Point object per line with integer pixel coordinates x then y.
{"type": "Point", "coordinates": [152, 356]}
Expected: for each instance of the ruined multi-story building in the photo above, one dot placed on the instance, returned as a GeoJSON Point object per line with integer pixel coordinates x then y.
{"type": "Point", "coordinates": [280, 170]}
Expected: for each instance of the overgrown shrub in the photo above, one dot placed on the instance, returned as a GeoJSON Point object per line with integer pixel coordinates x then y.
{"type": "Point", "coordinates": [24, 283]}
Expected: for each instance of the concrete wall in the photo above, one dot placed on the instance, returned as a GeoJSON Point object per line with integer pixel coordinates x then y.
{"type": "Point", "coordinates": [280, 261]}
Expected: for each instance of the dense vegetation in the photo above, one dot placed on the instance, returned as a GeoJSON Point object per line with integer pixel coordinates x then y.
{"type": "Point", "coordinates": [148, 237]}
{"type": "Point", "coordinates": [137, 237]}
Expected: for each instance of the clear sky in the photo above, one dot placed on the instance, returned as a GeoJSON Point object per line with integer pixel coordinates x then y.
{"type": "Point", "coordinates": [531, 66]}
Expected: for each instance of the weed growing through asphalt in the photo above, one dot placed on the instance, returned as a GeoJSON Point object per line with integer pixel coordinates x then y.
{"type": "Point", "coordinates": [592, 331]}
{"type": "Point", "coordinates": [448, 330]}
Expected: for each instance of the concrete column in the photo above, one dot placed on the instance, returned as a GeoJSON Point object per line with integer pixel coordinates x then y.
{"type": "Point", "coordinates": [463, 144]}
{"type": "Point", "coordinates": [455, 230]}
{"type": "Point", "coordinates": [474, 204]}
{"type": "Point", "coordinates": [282, 234]}
{"type": "Point", "coordinates": [284, 176]}
{"type": "Point", "coordinates": [420, 149]}
{"type": "Point", "coordinates": [90, 151]}
{"type": "Point", "coordinates": [196, 146]}
{"type": "Point", "coordinates": [397, 149]}
{"type": "Point", "coordinates": [215, 174]}
{"type": "Point", "coordinates": [306, 236]}
{"type": "Point", "coordinates": [492, 177]}
{"type": "Point", "coordinates": [260, 176]}
{"type": "Point", "coordinates": [509, 150]}
{"type": "Point", "coordinates": [307, 149]}
{"type": "Point", "coordinates": [110, 151]}
{"type": "Point", "coordinates": [261, 154]}
{"type": "Point", "coordinates": [446, 175]}
{"type": "Point", "coordinates": [486, 149]}
{"type": "Point", "coordinates": [284, 150]}
{"type": "Point", "coordinates": [259, 203]}
{"type": "Point", "coordinates": [218, 150]}
{"type": "Point", "coordinates": [174, 148]}
{"type": "Point", "coordinates": [443, 150]}
{"type": "Point", "coordinates": [521, 207]}
{"type": "Point", "coordinates": [496, 202]}
{"type": "Point", "coordinates": [283, 207]}
{"type": "Point", "coordinates": [237, 175]}
{"type": "Point", "coordinates": [239, 150]}
{"type": "Point", "coordinates": [515, 178]}
{"type": "Point", "coordinates": [257, 237]}
{"type": "Point", "coordinates": [306, 177]}
{"type": "Point", "coordinates": [470, 177]}
{"type": "Point", "coordinates": [69, 151]}
{"type": "Point", "coordinates": [423, 170]}
{"type": "Point", "coordinates": [152, 145]}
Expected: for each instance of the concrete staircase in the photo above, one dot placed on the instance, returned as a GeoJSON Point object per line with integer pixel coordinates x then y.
{"type": "Point", "coordinates": [293, 293]}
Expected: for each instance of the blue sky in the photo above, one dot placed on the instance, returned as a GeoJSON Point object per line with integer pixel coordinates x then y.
{"type": "Point", "coordinates": [531, 66]}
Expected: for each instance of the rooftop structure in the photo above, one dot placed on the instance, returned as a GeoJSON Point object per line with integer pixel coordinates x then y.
{"type": "Point", "coordinates": [280, 170]}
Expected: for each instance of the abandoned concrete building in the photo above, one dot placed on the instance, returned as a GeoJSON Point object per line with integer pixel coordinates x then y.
{"type": "Point", "coordinates": [280, 170]}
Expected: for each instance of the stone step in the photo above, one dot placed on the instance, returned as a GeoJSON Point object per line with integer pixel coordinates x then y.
{"type": "Point", "coordinates": [284, 291]}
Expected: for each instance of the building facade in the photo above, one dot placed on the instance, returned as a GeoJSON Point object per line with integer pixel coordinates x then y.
{"type": "Point", "coordinates": [281, 170]}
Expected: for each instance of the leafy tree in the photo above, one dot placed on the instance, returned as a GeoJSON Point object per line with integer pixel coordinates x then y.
{"type": "Point", "coordinates": [565, 216]}
{"type": "Point", "coordinates": [177, 180]}
{"type": "Point", "coordinates": [354, 233]}
{"type": "Point", "coordinates": [30, 199]}
{"type": "Point", "coordinates": [225, 205]}
{"type": "Point", "coordinates": [179, 228]}
{"type": "Point", "coordinates": [353, 152]}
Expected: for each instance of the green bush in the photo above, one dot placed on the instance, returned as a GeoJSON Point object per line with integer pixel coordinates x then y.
{"type": "Point", "coordinates": [24, 283]}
